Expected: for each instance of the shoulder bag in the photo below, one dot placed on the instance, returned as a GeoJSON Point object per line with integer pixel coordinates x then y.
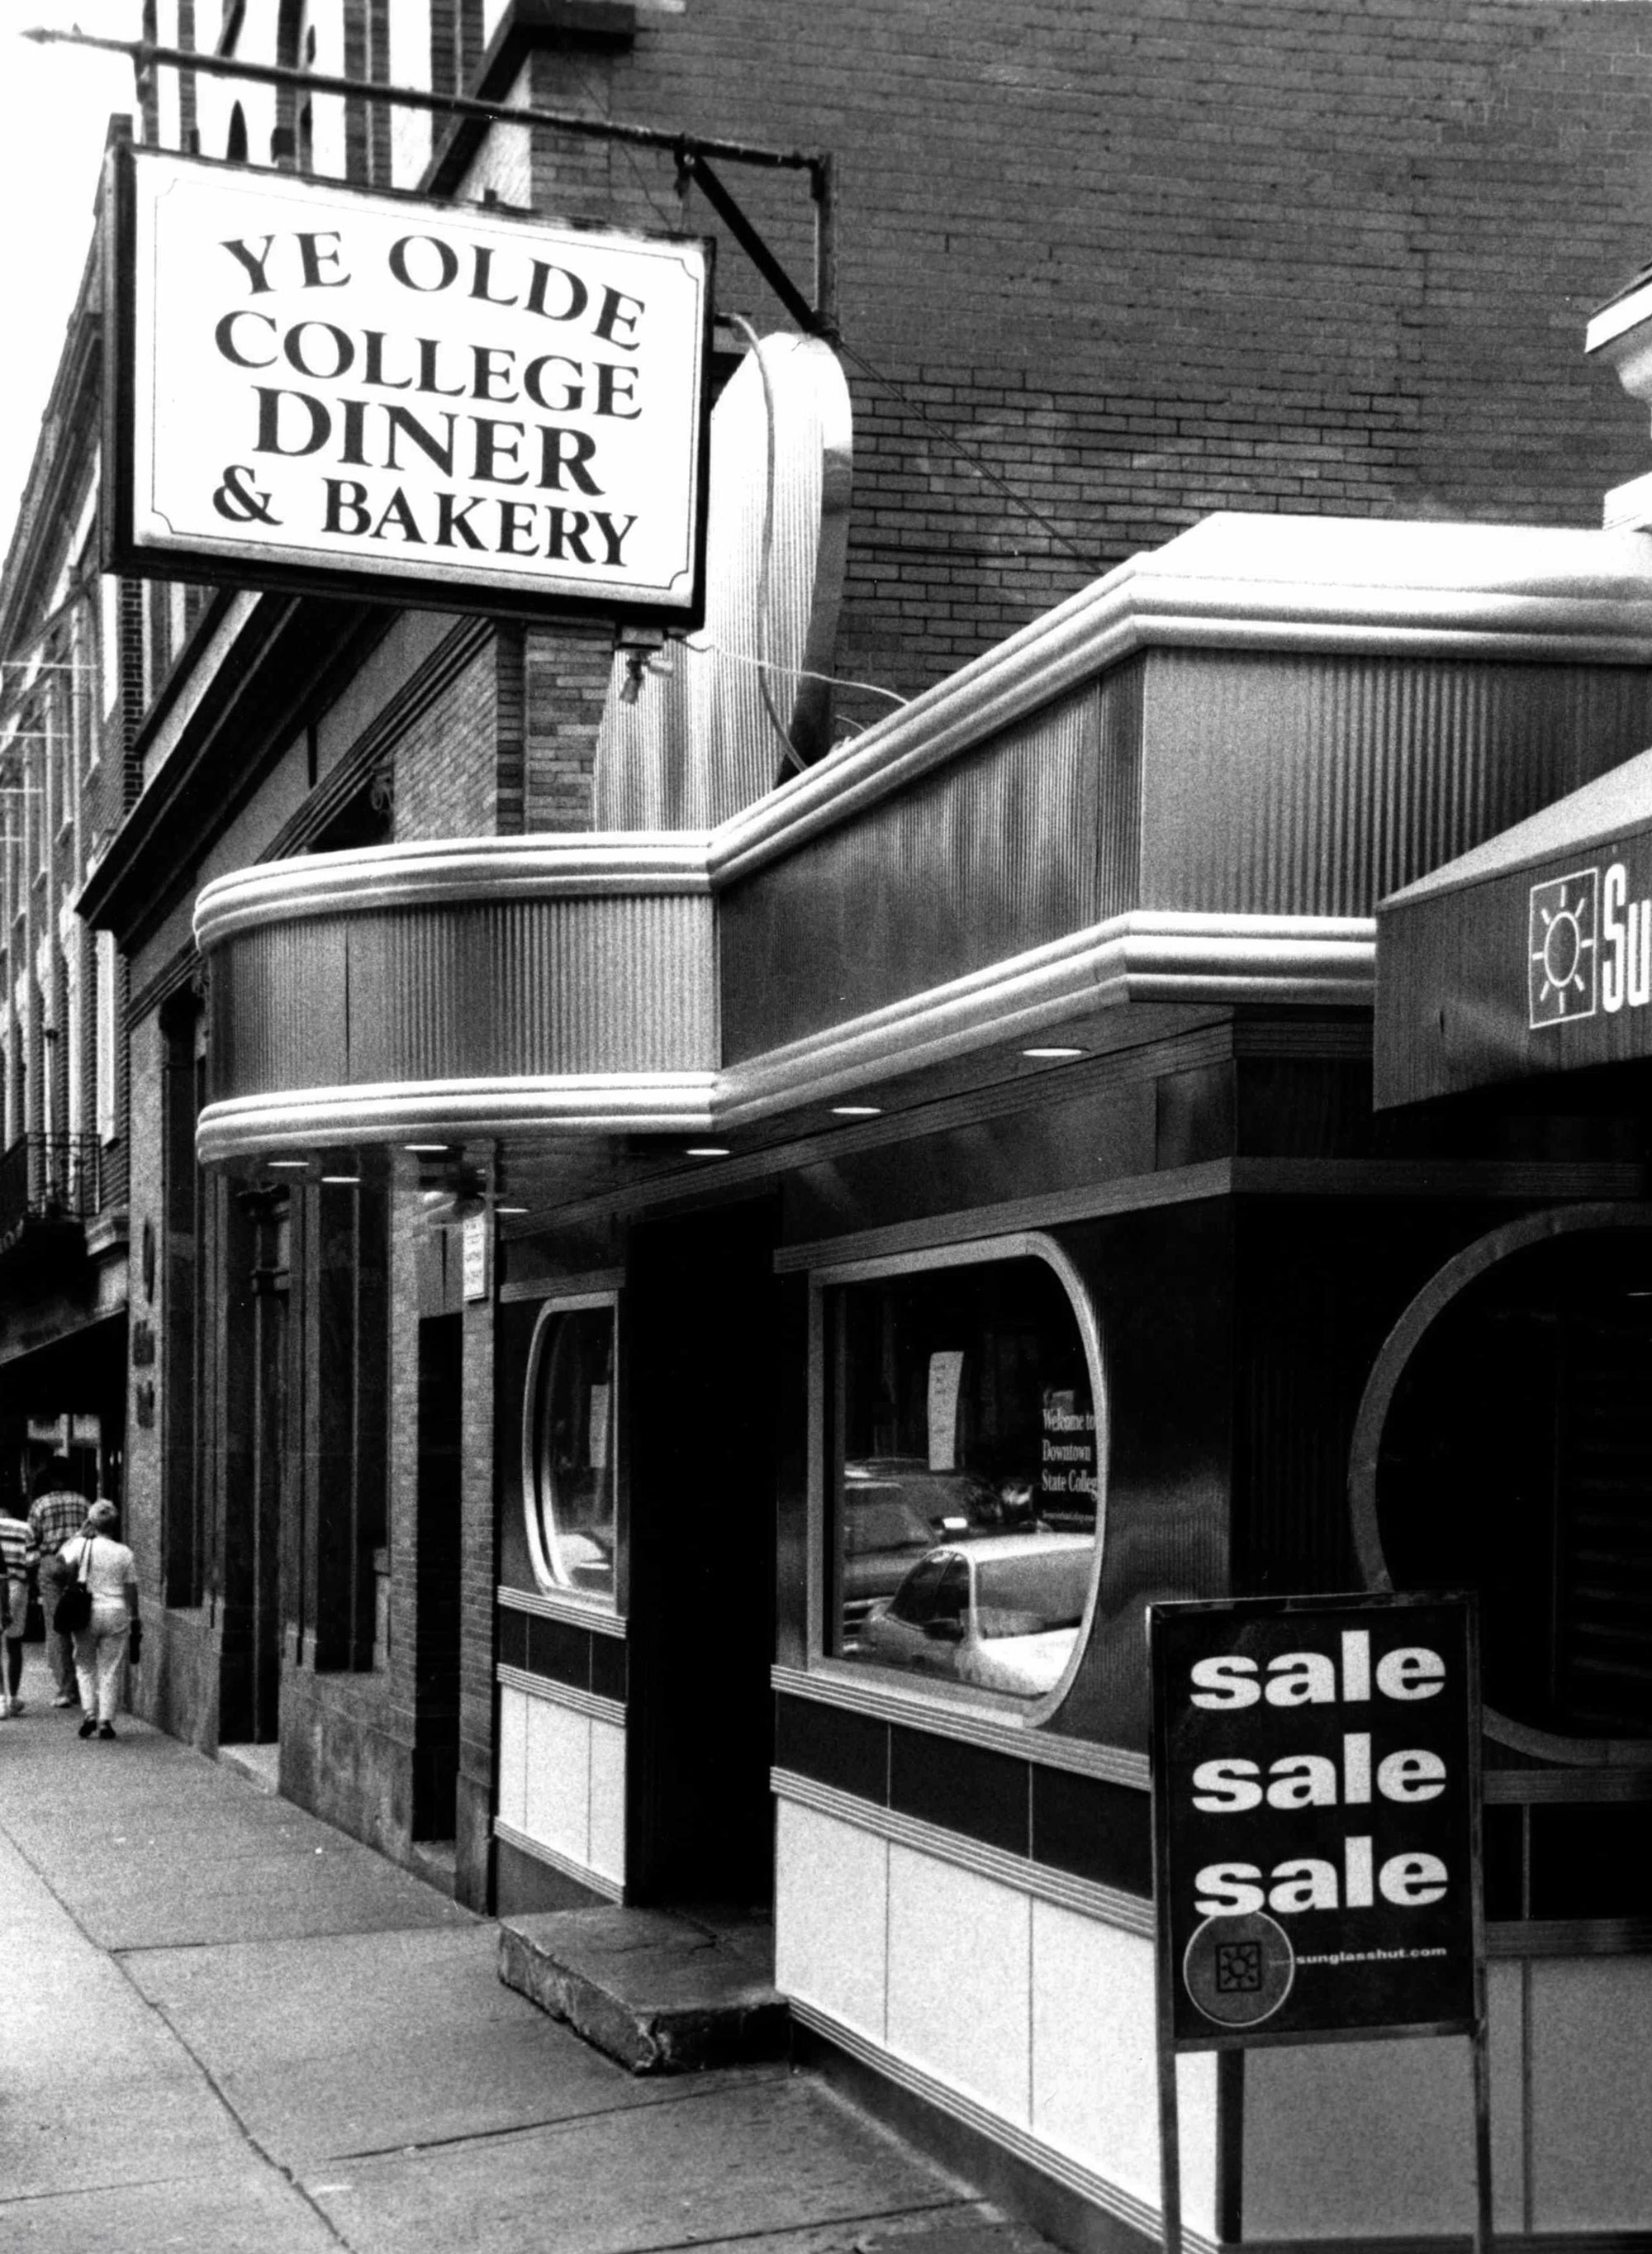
{"type": "Point", "coordinates": [73, 1608]}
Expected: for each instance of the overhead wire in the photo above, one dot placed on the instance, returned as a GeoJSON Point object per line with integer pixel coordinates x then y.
{"type": "Point", "coordinates": [950, 439]}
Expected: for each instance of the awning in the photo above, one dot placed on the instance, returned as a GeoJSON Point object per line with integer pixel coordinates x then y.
{"type": "Point", "coordinates": [83, 1366]}
{"type": "Point", "coordinates": [1530, 955]}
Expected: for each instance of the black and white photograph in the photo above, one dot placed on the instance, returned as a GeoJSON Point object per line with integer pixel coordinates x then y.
{"type": "Point", "coordinates": [826, 1126]}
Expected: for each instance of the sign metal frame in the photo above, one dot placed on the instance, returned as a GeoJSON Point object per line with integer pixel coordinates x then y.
{"type": "Point", "coordinates": [386, 578]}
{"type": "Point", "coordinates": [1171, 2045]}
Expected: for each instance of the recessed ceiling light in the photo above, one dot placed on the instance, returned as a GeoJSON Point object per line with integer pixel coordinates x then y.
{"type": "Point", "coordinates": [857, 1111]}
{"type": "Point", "coordinates": [343, 1181]}
{"type": "Point", "coordinates": [706, 1151]}
{"type": "Point", "coordinates": [287, 1165]}
{"type": "Point", "coordinates": [1055, 1053]}
{"type": "Point", "coordinates": [510, 1208]}
{"type": "Point", "coordinates": [438, 1150]}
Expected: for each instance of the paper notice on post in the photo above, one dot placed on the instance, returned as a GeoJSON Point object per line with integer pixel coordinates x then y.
{"type": "Point", "coordinates": [946, 1371]}
{"type": "Point", "coordinates": [599, 1428]}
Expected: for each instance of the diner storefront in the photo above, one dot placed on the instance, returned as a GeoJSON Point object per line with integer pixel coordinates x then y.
{"type": "Point", "coordinates": [945, 1214]}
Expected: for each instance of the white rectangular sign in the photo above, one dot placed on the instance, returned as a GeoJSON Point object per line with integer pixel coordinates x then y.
{"type": "Point", "coordinates": [321, 388]}
{"type": "Point", "coordinates": [475, 1242]}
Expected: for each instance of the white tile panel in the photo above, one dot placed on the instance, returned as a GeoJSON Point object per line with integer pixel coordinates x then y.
{"type": "Point", "coordinates": [513, 1807]}
{"type": "Point", "coordinates": [607, 1829]}
{"type": "Point", "coordinates": [1592, 2094]}
{"type": "Point", "coordinates": [831, 1898]}
{"type": "Point", "coordinates": [559, 1779]}
{"type": "Point", "coordinates": [1095, 2084]}
{"type": "Point", "coordinates": [1359, 2139]}
{"type": "Point", "coordinates": [959, 1979]}
{"type": "Point", "coordinates": [1197, 2112]}
{"type": "Point", "coordinates": [1505, 2009]}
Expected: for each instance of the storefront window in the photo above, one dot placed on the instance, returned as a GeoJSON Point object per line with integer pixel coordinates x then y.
{"type": "Point", "coordinates": [964, 1474]}
{"type": "Point", "coordinates": [568, 1450]}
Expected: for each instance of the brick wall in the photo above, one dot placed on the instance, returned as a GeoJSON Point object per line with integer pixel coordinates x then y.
{"type": "Point", "coordinates": [445, 772]}
{"type": "Point", "coordinates": [1150, 260]}
{"type": "Point", "coordinates": [565, 685]}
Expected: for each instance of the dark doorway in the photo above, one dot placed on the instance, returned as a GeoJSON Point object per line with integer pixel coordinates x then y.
{"type": "Point", "coordinates": [256, 1411]}
{"type": "Point", "coordinates": [271, 1442]}
{"type": "Point", "coordinates": [697, 1341]}
{"type": "Point", "coordinates": [436, 1754]}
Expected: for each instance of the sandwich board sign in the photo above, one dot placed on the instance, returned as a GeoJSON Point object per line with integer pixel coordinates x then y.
{"type": "Point", "coordinates": [1316, 1831]}
{"type": "Point", "coordinates": [380, 396]}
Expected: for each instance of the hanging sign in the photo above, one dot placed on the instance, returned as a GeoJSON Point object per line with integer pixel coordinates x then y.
{"type": "Point", "coordinates": [375, 395]}
{"type": "Point", "coordinates": [1316, 1783]}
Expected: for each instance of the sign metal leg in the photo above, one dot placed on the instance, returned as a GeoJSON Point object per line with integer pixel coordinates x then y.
{"type": "Point", "coordinates": [1481, 2052]}
{"type": "Point", "coordinates": [1169, 2132]}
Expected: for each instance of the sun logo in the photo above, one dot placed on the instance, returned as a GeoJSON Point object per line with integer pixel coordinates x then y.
{"type": "Point", "coordinates": [1561, 969]}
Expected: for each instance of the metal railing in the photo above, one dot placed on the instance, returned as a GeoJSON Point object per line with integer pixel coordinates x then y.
{"type": "Point", "coordinates": [47, 1178]}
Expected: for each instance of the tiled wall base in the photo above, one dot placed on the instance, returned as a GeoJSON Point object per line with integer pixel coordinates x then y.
{"type": "Point", "coordinates": [561, 1788]}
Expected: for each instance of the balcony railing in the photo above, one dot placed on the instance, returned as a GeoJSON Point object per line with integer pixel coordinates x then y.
{"type": "Point", "coordinates": [47, 1178]}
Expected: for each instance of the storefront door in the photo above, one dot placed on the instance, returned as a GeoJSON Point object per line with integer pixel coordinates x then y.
{"type": "Point", "coordinates": [702, 1418]}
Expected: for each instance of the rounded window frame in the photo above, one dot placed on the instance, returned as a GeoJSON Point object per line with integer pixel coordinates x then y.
{"type": "Point", "coordinates": [1393, 1357]}
{"type": "Point", "coordinates": [976, 1252]}
{"type": "Point", "coordinates": [537, 1377]}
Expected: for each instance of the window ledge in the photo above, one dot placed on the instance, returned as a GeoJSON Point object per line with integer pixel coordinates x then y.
{"type": "Point", "coordinates": [580, 1612]}
{"type": "Point", "coordinates": [857, 1690]}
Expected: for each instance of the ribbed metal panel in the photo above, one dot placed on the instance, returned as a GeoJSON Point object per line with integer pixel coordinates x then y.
{"type": "Point", "coordinates": [1119, 761]}
{"type": "Point", "coordinates": [466, 991]}
{"type": "Point", "coordinates": [1302, 784]}
{"type": "Point", "coordinates": [279, 1003]}
{"type": "Point", "coordinates": [982, 860]}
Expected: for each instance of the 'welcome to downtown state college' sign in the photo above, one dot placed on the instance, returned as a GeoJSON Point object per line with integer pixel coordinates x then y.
{"type": "Point", "coordinates": [372, 394]}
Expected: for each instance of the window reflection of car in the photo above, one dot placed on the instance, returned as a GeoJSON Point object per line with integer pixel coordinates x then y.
{"type": "Point", "coordinates": [952, 1502]}
{"type": "Point", "coordinates": [1001, 1614]}
{"type": "Point", "coordinates": [883, 1534]}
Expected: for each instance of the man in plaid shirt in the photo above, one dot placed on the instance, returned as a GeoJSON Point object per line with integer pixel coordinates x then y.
{"type": "Point", "coordinates": [58, 1510]}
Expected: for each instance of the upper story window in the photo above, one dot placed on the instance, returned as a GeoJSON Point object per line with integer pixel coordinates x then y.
{"type": "Point", "coordinates": [568, 1487]}
{"type": "Point", "coordinates": [964, 1466]}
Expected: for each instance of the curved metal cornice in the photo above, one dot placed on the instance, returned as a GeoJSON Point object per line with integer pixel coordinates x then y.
{"type": "Point", "coordinates": [446, 872]}
{"type": "Point", "coordinates": [1356, 586]}
{"type": "Point", "coordinates": [1141, 957]}
{"type": "Point", "coordinates": [300, 1118]}
{"type": "Point", "coordinates": [481, 986]}
{"type": "Point", "coordinates": [468, 987]}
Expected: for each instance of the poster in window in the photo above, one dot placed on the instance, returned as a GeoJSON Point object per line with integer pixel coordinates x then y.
{"type": "Point", "coordinates": [598, 1444]}
{"type": "Point", "coordinates": [946, 1376]}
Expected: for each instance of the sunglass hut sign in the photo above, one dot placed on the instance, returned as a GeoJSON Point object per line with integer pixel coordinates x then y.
{"type": "Point", "coordinates": [317, 385]}
{"type": "Point", "coordinates": [1589, 945]}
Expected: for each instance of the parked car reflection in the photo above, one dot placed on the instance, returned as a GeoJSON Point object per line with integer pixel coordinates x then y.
{"type": "Point", "coordinates": [957, 1503]}
{"type": "Point", "coordinates": [883, 1534]}
{"type": "Point", "coordinates": [1001, 1614]}
{"type": "Point", "coordinates": [894, 1509]}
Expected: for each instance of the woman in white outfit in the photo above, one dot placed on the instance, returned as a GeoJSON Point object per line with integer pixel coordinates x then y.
{"type": "Point", "coordinates": [100, 1647]}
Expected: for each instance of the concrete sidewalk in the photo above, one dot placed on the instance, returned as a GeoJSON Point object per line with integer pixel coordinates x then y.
{"type": "Point", "coordinates": [225, 2026]}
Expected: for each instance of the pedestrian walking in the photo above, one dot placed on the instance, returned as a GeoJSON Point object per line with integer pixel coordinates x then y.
{"type": "Point", "coordinates": [58, 1511]}
{"type": "Point", "coordinates": [14, 1608]}
{"type": "Point", "coordinates": [110, 1571]}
